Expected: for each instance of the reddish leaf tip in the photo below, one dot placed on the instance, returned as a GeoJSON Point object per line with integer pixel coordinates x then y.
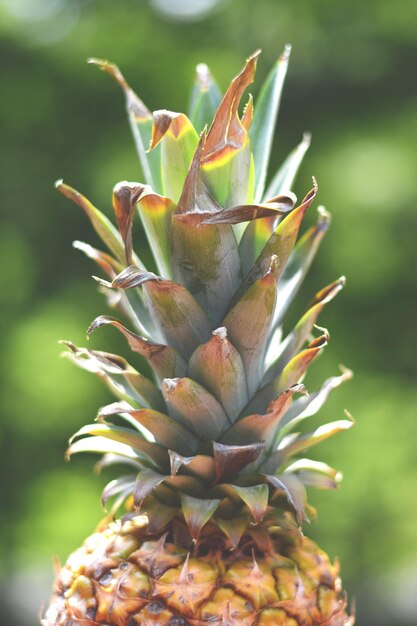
{"type": "Point", "coordinates": [255, 55]}
{"type": "Point", "coordinates": [110, 68]}
{"type": "Point", "coordinates": [102, 282]}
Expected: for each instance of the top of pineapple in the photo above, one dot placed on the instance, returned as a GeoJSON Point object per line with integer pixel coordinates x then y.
{"type": "Point", "coordinates": [214, 435]}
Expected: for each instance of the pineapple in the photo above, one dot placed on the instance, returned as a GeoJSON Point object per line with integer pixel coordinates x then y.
{"type": "Point", "coordinates": [204, 527]}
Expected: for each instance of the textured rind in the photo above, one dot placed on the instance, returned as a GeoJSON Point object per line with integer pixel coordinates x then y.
{"type": "Point", "coordinates": [121, 576]}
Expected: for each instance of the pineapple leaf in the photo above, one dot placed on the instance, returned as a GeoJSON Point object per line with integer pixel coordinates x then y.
{"type": "Point", "coordinates": [299, 263]}
{"type": "Point", "coordinates": [148, 452]}
{"type": "Point", "coordinates": [284, 178]}
{"type": "Point", "coordinates": [197, 513]}
{"type": "Point", "coordinates": [200, 466]}
{"type": "Point", "coordinates": [262, 129]}
{"type": "Point", "coordinates": [178, 139]}
{"type": "Point", "coordinates": [181, 320]}
{"type": "Point", "coordinates": [257, 233]}
{"type": "Point", "coordinates": [116, 487]}
{"type": "Point", "coordinates": [294, 491]}
{"type": "Point", "coordinates": [101, 224]}
{"type": "Point", "coordinates": [156, 214]}
{"type": "Point", "coordinates": [255, 498]}
{"type": "Point", "coordinates": [315, 474]}
{"type": "Point", "coordinates": [116, 372]}
{"type": "Point", "coordinates": [165, 362]}
{"type": "Point", "coordinates": [125, 197]}
{"type": "Point", "coordinates": [296, 443]}
{"type": "Point", "coordinates": [205, 257]}
{"type": "Point", "coordinates": [141, 123]}
{"type": "Point", "coordinates": [248, 323]}
{"type": "Point", "coordinates": [110, 458]}
{"type": "Point", "coordinates": [105, 261]}
{"type": "Point", "coordinates": [309, 405]}
{"type": "Point", "coordinates": [305, 441]}
{"type": "Point", "coordinates": [166, 431]}
{"type": "Point", "coordinates": [295, 340]}
{"type": "Point", "coordinates": [292, 373]}
{"type": "Point", "coordinates": [195, 408]}
{"type": "Point", "coordinates": [227, 161]}
{"type": "Point", "coordinates": [249, 212]}
{"type": "Point", "coordinates": [233, 528]}
{"type": "Point", "coordinates": [146, 482]}
{"type": "Point", "coordinates": [258, 427]}
{"type": "Point", "coordinates": [159, 515]}
{"type": "Point", "coordinates": [205, 98]}
{"type": "Point", "coordinates": [229, 460]}
{"type": "Point", "coordinates": [102, 445]}
{"type": "Point", "coordinates": [282, 240]}
{"type": "Point", "coordinates": [218, 366]}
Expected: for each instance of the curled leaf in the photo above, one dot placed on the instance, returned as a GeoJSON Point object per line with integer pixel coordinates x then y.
{"type": "Point", "coordinates": [141, 122]}
{"type": "Point", "coordinates": [165, 362]}
{"type": "Point", "coordinates": [181, 321]}
{"type": "Point", "coordinates": [166, 431]}
{"type": "Point", "coordinates": [278, 205]}
{"type": "Point", "coordinates": [103, 227]}
{"type": "Point", "coordinates": [295, 492]}
{"type": "Point", "coordinates": [125, 197]}
{"type": "Point", "coordinates": [118, 374]}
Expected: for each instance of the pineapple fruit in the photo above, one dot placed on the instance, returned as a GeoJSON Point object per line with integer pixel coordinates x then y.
{"type": "Point", "coordinates": [204, 527]}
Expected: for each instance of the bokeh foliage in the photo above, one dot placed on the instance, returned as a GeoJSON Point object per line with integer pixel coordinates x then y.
{"type": "Point", "coordinates": [351, 84]}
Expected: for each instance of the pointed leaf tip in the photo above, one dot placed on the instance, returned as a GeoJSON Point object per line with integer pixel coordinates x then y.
{"type": "Point", "coordinates": [197, 513]}
{"type": "Point", "coordinates": [286, 52]}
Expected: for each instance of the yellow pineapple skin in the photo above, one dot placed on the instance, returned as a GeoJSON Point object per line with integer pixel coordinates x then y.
{"type": "Point", "coordinates": [122, 576]}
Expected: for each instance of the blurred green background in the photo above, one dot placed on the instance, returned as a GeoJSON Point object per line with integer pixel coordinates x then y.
{"type": "Point", "coordinates": [352, 83]}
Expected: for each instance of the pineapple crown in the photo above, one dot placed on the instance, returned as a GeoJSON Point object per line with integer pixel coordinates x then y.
{"type": "Point", "coordinates": [212, 438]}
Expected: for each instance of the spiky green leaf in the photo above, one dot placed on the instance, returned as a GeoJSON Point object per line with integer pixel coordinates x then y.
{"type": "Point", "coordinates": [165, 361]}
{"type": "Point", "coordinates": [141, 123]}
{"type": "Point", "coordinates": [262, 130]}
{"type": "Point", "coordinates": [205, 98]}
